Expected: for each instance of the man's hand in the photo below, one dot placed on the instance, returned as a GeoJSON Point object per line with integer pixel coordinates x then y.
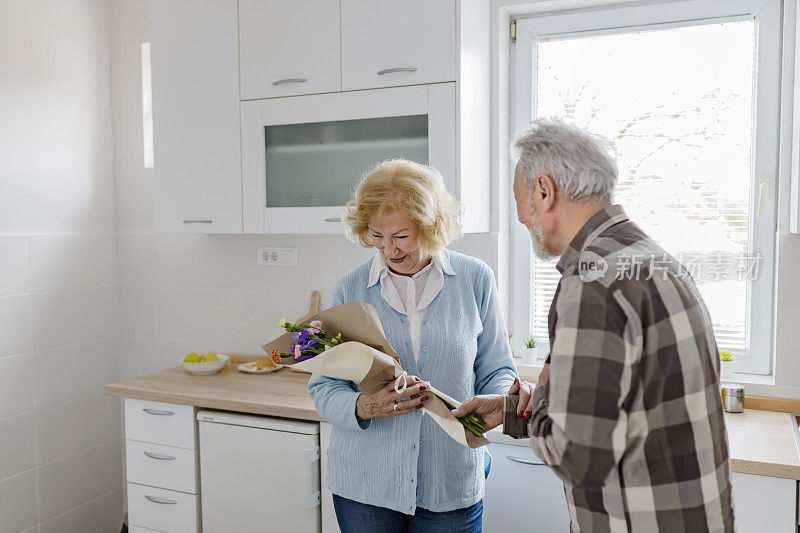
{"type": "Point", "coordinates": [489, 407]}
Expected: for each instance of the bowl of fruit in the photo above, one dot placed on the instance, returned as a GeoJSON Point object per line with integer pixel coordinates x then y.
{"type": "Point", "coordinates": [207, 363]}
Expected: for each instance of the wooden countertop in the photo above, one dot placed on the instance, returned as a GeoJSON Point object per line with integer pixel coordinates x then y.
{"type": "Point", "coordinates": [761, 442]}
{"type": "Point", "coordinates": [281, 393]}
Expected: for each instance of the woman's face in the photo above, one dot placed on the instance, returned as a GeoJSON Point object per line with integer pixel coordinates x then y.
{"type": "Point", "coordinates": [396, 238]}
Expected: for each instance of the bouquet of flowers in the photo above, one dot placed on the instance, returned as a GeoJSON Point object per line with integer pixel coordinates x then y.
{"type": "Point", "coordinates": [359, 352]}
{"type": "Point", "coordinates": [309, 340]}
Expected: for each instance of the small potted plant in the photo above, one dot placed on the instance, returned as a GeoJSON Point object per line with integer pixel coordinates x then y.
{"type": "Point", "coordinates": [531, 351]}
{"type": "Point", "coordinates": [725, 364]}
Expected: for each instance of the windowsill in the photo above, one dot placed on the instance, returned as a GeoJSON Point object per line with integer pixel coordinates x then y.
{"type": "Point", "coordinates": [751, 379]}
{"type": "Point", "coordinates": [531, 370]}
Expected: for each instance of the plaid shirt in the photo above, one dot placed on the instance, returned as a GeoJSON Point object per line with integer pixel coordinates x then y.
{"type": "Point", "coordinates": [630, 416]}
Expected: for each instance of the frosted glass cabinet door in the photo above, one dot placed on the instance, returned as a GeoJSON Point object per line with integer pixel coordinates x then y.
{"type": "Point", "coordinates": [318, 164]}
{"type": "Point", "coordinates": [386, 43]}
{"type": "Point", "coordinates": [289, 48]}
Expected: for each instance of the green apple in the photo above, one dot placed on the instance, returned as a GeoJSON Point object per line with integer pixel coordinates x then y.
{"type": "Point", "coordinates": [208, 357]}
{"type": "Point", "coordinates": [192, 358]}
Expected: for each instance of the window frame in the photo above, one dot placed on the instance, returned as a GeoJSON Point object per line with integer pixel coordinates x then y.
{"type": "Point", "coordinates": [766, 142]}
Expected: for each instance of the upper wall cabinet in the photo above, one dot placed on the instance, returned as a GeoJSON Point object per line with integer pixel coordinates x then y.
{"type": "Point", "coordinates": [195, 77]}
{"type": "Point", "coordinates": [387, 43]}
{"type": "Point", "coordinates": [328, 89]}
{"type": "Point", "coordinates": [289, 47]}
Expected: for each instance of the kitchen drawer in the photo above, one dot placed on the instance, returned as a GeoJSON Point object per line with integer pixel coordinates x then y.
{"type": "Point", "coordinates": [162, 510]}
{"type": "Point", "coordinates": [160, 423]}
{"type": "Point", "coordinates": [161, 466]}
{"type": "Point", "coordinates": [137, 529]}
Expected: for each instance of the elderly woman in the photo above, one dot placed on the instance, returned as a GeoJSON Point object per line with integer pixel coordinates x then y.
{"type": "Point", "coordinates": [389, 467]}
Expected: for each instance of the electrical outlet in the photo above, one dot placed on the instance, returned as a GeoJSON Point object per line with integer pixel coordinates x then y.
{"type": "Point", "coordinates": [277, 256]}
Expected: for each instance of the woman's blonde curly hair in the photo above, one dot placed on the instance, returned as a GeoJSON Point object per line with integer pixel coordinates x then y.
{"type": "Point", "coordinates": [414, 190]}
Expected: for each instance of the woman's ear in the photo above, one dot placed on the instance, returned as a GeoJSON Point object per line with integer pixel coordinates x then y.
{"type": "Point", "coordinates": [546, 190]}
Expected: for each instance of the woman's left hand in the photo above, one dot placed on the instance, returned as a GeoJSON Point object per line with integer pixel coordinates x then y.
{"type": "Point", "coordinates": [525, 391]}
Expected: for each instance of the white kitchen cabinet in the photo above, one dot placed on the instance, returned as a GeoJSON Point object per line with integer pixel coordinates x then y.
{"type": "Point", "coordinates": [161, 467]}
{"type": "Point", "coordinates": [387, 43]}
{"type": "Point", "coordinates": [197, 150]}
{"type": "Point", "coordinates": [764, 504]}
{"type": "Point", "coordinates": [302, 155]}
{"type": "Point", "coordinates": [289, 48]}
{"type": "Point", "coordinates": [258, 473]}
{"type": "Point", "coordinates": [210, 137]}
{"type": "Point", "coordinates": [520, 491]}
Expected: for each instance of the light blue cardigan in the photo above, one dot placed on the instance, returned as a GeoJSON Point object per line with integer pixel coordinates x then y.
{"type": "Point", "coordinates": [408, 461]}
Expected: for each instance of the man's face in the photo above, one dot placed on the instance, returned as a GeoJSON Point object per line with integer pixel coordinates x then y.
{"type": "Point", "coordinates": [527, 204]}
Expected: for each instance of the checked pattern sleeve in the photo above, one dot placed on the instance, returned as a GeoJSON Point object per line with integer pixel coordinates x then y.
{"type": "Point", "coordinates": [578, 425]}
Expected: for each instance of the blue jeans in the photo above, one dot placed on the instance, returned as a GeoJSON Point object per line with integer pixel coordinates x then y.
{"type": "Point", "coordinates": [355, 517]}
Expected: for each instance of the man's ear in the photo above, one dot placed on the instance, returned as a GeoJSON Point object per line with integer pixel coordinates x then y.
{"type": "Point", "coordinates": [546, 191]}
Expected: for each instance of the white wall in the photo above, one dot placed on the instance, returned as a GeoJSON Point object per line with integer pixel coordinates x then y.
{"type": "Point", "coordinates": [59, 435]}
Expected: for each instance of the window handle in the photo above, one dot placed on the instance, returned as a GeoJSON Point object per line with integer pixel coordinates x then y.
{"type": "Point", "coordinates": [763, 194]}
{"type": "Point", "coordinates": [289, 80]}
{"type": "Point", "coordinates": [396, 69]}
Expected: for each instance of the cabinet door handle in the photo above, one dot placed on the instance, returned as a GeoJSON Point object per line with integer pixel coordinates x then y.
{"type": "Point", "coordinates": [289, 80]}
{"type": "Point", "coordinates": [524, 461]}
{"type": "Point", "coordinates": [159, 456]}
{"type": "Point", "coordinates": [198, 221]}
{"type": "Point", "coordinates": [310, 457]}
{"type": "Point", "coordinates": [396, 69]}
{"type": "Point", "coordinates": [158, 412]}
{"type": "Point", "coordinates": [333, 220]}
{"type": "Point", "coordinates": [157, 499]}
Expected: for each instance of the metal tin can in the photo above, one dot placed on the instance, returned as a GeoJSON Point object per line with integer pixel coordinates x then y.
{"type": "Point", "coordinates": [733, 397]}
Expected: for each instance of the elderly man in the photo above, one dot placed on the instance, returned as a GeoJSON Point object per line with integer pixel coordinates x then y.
{"type": "Point", "coordinates": [630, 416]}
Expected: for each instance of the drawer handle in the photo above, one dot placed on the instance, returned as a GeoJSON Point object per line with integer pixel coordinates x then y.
{"type": "Point", "coordinates": [162, 501]}
{"type": "Point", "coordinates": [159, 456]}
{"type": "Point", "coordinates": [157, 412]}
{"type": "Point", "coordinates": [289, 80]}
{"type": "Point", "coordinates": [524, 461]}
{"type": "Point", "coordinates": [198, 221]}
{"type": "Point", "coordinates": [396, 69]}
{"type": "Point", "coordinates": [333, 220]}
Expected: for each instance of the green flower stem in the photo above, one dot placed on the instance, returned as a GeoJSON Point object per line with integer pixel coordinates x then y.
{"type": "Point", "coordinates": [474, 424]}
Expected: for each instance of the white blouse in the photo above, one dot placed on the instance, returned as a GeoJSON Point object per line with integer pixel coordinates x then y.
{"type": "Point", "coordinates": [410, 295]}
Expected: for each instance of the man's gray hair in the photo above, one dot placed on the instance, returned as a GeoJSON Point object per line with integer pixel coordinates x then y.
{"type": "Point", "coordinates": [574, 159]}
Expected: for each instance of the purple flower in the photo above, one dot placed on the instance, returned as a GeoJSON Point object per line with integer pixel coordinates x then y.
{"type": "Point", "coordinates": [296, 351]}
{"type": "Point", "coordinates": [309, 344]}
{"type": "Point", "coordinates": [304, 357]}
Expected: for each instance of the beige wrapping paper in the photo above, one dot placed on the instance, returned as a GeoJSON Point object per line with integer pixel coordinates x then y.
{"type": "Point", "coordinates": [368, 359]}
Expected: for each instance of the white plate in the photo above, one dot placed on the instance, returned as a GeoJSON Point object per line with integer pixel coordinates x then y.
{"type": "Point", "coordinates": [251, 369]}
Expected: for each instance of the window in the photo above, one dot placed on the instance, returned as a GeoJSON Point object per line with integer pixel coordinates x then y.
{"type": "Point", "coordinates": [688, 95]}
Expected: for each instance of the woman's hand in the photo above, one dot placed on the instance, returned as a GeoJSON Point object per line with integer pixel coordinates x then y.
{"type": "Point", "coordinates": [525, 390]}
{"type": "Point", "coordinates": [386, 402]}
